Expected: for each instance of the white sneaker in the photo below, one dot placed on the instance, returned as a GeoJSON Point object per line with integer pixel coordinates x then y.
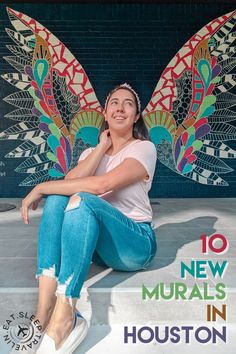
{"type": "Point", "coordinates": [72, 341]}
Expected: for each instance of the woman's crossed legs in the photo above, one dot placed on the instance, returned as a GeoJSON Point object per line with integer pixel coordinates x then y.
{"type": "Point", "coordinates": [73, 232]}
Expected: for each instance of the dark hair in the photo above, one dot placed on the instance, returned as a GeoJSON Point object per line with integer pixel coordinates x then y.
{"type": "Point", "coordinates": [139, 128]}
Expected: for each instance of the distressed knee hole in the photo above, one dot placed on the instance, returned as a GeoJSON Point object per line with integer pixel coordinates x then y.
{"type": "Point", "coordinates": [74, 202]}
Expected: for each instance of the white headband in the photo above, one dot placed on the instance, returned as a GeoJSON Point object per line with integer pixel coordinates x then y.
{"type": "Point", "coordinates": [128, 87]}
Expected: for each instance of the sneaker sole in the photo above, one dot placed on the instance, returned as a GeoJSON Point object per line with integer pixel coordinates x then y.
{"type": "Point", "coordinates": [77, 343]}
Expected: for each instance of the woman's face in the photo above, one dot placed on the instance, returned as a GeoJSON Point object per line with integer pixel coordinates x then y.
{"type": "Point", "coordinates": [121, 111]}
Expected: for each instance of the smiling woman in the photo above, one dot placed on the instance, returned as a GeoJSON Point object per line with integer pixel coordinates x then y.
{"type": "Point", "coordinates": [139, 130]}
{"type": "Point", "coordinates": [100, 212]}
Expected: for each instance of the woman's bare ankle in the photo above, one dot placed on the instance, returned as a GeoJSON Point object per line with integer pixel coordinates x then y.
{"type": "Point", "coordinates": [44, 317]}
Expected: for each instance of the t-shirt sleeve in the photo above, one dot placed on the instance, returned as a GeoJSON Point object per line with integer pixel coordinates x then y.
{"type": "Point", "coordinates": [145, 153]}
{"type": "Point", "coordinates": [85, 153]}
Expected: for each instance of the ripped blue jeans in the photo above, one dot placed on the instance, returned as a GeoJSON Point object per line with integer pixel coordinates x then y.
{"type": "Point", "coordinates": [73, 235]}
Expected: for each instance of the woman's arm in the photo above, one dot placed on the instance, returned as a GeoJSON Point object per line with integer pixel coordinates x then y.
{"type": "Point", "coordinates": [128, 172]}
{"type": "Point", "coordinates": [88, 166]}
{"type": "Point", "coordinates": [90, 184]}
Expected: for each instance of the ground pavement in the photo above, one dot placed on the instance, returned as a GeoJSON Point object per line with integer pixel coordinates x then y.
{"type": "Point", "coordinates": [112, 300]}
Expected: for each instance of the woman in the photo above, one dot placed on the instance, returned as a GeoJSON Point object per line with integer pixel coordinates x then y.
{"type": "Point", "coordinates": [107, 219]}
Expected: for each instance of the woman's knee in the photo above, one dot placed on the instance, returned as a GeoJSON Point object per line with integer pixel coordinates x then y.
{"type": "Point", "coordinates": [55, 202]}
{"type": "Point", "coordinates": [74, 202]}
{"type": "Point", "coordinates": [88, 196]}
{"type": "Point", "coordinates": [88, 199]}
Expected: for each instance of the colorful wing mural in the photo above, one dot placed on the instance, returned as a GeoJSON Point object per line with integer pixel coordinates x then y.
{"type": "Point", "coordinates": [189, 112]}
{"type": "Point", "coordinates": [58, 114]}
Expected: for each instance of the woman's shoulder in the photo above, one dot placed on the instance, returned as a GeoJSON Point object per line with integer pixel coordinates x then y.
{"type": "Point", "coordinates": [90, 148]}
{"type": "Point", "coordinates": [85, 153]}
{"type": "Point", "coordinates": [141, 148]}
{"type": "Point", "coordinates": [145, 145]}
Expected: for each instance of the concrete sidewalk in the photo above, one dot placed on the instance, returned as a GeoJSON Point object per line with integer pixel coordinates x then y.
{"type": "Point", "coordinates": [111, 300]}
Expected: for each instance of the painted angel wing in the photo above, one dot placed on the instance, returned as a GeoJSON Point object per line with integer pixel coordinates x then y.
{"type": "Point", "coordinates": [189, 112]}
{"type": "Point", "coordinates": [58, 114]}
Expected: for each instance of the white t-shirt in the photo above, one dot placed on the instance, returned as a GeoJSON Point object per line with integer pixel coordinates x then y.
{"type": "Point", "coordinates": [132, 200]}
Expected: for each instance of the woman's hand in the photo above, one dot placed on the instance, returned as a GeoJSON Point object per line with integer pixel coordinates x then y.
{"type": "Point", "coordinates": [32, 199]}
{"type": "Point", "coordinates": [105, 140]}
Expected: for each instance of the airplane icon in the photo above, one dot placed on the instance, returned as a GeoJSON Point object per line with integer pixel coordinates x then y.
{"type": "Point", "coordinates": [22, 330]}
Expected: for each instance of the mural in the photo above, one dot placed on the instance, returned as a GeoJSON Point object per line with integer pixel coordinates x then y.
{"type": "Point", "coordinates": [58, 115]}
